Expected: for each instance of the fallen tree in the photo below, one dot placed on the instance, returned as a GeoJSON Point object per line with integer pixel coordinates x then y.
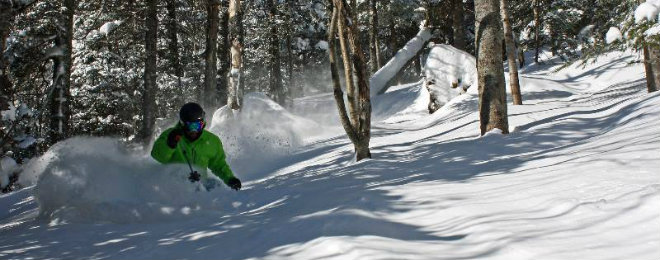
{"type": "Point", "coordinates": [379, 80]}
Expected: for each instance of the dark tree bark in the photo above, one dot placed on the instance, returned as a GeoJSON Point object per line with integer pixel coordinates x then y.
{"type": "Point", "coordinates": [374, 45]}
{"type": "Point", "coordinates": [654, 60]}
{"type": "Point", "coordinates": [457, 25]}
{"type": "Point", "coordinates": [60, 97]}
{"type": "Point", "coordinates": [149, 95]}
{"type": "Point", "coordinates": [651, 75]}
{"type": "Point", "coordinates": [275, 78]}
{"type": "Point", "coordinates": [290, 56]}
{"type": "Point", "coordinates": [492, 93]}
{"type": "Point", "coordinates": [224, 57]}
{"type": "Point", "coordinates": [236, 52]}
{"type": "Point", "coordinates": [210, 77]}
{"type": "Point", "coordinates": [514, 83]}
{"type": "Point", "coordinates": [537, 28]}
{"type": "Point", "coordinates": [173, 44]}
{"type": "Point", "coordinates": [393, 46]}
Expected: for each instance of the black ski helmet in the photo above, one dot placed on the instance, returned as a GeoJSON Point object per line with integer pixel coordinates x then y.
{"type": "Point", "coordinates": [191, 112]}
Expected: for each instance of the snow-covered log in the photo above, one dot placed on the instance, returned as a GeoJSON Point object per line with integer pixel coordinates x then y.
{"type": "Point", "coordinates": [379, 80]}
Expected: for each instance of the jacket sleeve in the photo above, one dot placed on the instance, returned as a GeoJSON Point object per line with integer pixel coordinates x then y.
{"type": "Point", "coordinates": [219, 166]}
{"type": "Point", "coordinates": [160, 151]}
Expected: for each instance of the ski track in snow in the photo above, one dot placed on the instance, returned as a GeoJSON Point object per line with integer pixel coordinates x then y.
{"type": "Point", "coordinates": [575, 179]}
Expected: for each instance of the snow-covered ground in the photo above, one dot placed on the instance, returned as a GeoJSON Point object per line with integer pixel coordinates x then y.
{"type": "Point", "coordinates": [577, 178]}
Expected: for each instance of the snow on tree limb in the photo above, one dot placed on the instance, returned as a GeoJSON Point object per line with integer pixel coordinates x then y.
{"type": "Point", "coordinates": [379, 80]}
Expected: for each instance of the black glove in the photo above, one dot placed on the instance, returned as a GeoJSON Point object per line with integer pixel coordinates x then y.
{"type": "Point", "coordinates": [234, 183]}
{"type": "Point", "coordinates": [194, 176]}
{"type": "Point", "coordinates": [173, 137]}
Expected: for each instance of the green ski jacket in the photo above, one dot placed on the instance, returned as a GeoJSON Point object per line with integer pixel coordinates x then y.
{"type": "Point", "coordinates": [205, 152]}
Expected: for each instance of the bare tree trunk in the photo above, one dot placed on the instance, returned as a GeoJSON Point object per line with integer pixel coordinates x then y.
{"type": "Point", "coordinates": [359, 131]}
{"type": "Point", "coordinates": [149, 95]}
{"type": "Point", "coordinates": [224, 57]}
{"type": "Point", "coordinates": [394, 47]}
{"type": "Point", "coordinates": [348, 68]}
{"type": "Point", "coordinates": [514, 83]}
{"type": "Point", "coordinates": [338, 93]}
{"type": "Point", "coordinates": [236, 51]}
{"type": "Point", "coordinates": [457, 24]}
{"type": "Point", "coordinates": [211, 58]}
{"type": "Point", "coordinates": [537, 24]}
{"type": "Point", "coordinates": [289, 49]}
{"type": "Point", "coordinates": [364, 99]}
{"type": "Point", "coordinates": [275, 80]}
{"type": "Point", "coordinates": [172, 32]}
{"type": "Point", "coordinates": [374, 48]}
{"type": "Point", "coordinates": [60, 96]}
{"type": "Point", "coordinates": [492, 93]}
{"type": "Point", "coordinates": [654, 58]}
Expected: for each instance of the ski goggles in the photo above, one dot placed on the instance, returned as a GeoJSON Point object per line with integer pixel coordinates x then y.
{"type": "Point", "coordinates": [194, 126]}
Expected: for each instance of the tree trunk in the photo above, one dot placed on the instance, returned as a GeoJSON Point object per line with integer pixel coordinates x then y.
{"type": "Point", "coordinates": [172, 32]}
{"type": "Point", "coordinates": [654, 57]}
{"type": "Point", "coordinates": [364, 100]}
{"type": "Point", "coordinates": [236, 52]}
{"type": "Point", "coordinates": [149, 95]}
{"type": "Point", "coordinates": [492, 93]}
{"type": "Point", "coordinates": [511, 54]}
{"type": "Point", "coordinates": [537, 25]}
{"type": "Point", "coordinates": [211, 54]}
{"type": "Point", "coordinates": [289, 49]}
{"type": "Point", "coordinates": [358, 130]}
{"type": "Point", "coordinates": [60, 96]}
{"type": "Point", "coordinates": [393, 46]}
{"type": "Point", "coordinates": [457, 24]}
{"type": "Point", "coordinates": [224, 57]}
{"type": "Point", "coordinates": [348, 67]}
{"type": "Point", "coordinates": [374, 48]}
{"type": "Point", "coordinates": [275, 78]}
{"type": "Point", "coordinates": [338, 93]}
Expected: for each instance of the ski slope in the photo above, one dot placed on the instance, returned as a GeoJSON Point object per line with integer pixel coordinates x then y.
{"type": "Point", "coordinates": [577, 178]}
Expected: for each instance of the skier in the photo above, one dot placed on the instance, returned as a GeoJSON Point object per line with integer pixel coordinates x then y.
{"type": "Point", "coordinates": [188, 142]}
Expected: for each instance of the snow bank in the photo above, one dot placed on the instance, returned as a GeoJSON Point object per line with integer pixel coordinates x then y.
{"type": "Point", "coordinates": [96, 180]}
{"type": "Point", "coordinates": [379, 80]}
{"type": "Point", "coordinates": [262, 134]}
